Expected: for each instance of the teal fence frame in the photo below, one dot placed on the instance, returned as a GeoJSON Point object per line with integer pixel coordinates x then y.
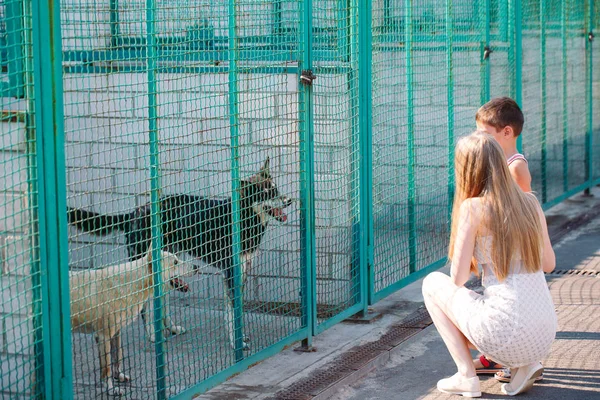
{"type": "Point", "coordinates": [356, 51]}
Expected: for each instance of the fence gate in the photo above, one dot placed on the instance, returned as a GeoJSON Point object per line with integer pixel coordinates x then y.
{"type": "Point", "coordinates": [296, 156]}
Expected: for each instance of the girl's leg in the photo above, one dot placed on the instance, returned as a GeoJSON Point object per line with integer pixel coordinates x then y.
{"type": "Point", "coordinates": [438, 291]}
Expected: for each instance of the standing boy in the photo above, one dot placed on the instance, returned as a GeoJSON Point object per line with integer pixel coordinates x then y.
{"type": "Point", "coordinates": [502, 118]}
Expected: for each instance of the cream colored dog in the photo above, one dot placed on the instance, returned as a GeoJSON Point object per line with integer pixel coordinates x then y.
{"type": "Point", "coordinates": [104, 301]}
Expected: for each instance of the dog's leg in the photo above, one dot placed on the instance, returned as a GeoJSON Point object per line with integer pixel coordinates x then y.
{"type": "Point", "coordinates": [117, 374]}
{"type": "Point", "coordinates": [174, 329]}
{"type": "Point", "coordinates": [148, 321]}
{"type": "Point", "coordinates": [148, 317]}
{"type": "Point", "coordinates": [246, 264]}
{"type": "Point", "coordinates": [230, 316]}
{"type": "Point", "coordinates": [247, 261]}
{"type": "Point", "coordinates": [105, 365]}
{"type": "Point", "coordinates": [228, 297]}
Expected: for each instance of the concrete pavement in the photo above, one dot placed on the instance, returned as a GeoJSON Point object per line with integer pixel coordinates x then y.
{"type": "Point", "coordinates": [411, 369]}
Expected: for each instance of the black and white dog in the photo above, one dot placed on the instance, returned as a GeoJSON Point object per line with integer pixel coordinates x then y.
{"type": "Point", "coordinates": [201, 227]}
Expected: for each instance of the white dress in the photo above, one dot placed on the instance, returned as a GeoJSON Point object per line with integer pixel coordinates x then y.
{"type": "Point", "coordinates": [514, 322]}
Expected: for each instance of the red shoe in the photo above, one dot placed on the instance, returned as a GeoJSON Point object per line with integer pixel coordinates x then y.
{"type": "Point", "coordinates": [489, 367]}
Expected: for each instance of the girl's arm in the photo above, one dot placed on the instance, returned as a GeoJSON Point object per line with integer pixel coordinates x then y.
{"type": "Point", "coordinates": [464, 243]}
{"type": "Point", "coordinates": [548, 257]}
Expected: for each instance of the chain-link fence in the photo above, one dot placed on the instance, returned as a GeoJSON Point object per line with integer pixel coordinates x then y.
{"type": "Point", "coordinates": [190, 186]}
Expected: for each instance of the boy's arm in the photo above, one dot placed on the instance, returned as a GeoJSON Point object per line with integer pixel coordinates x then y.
{"type": "Point", "coordinates": [520, 173]}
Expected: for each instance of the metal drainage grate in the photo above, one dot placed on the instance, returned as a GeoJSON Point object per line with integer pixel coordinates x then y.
{"type": "Point", "coordinates": [579, 272]}
{"type": "Point", "coordinates": [354, 359]}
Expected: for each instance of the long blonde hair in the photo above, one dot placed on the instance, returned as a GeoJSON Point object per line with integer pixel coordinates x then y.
{"type": "Point", "coordinates": [509, 215]}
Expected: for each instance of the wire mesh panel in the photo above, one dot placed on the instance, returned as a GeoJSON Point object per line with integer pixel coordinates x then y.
{"type": "Point", "coordinates": [106, 149]}
{"type": "Point", "coordinates": [501, 59]}
{"type": "Point", "coordinates": [390, 167]}
{"type": "Point", "coordinates": [336, 153]}
{"type": "Point", "coordinates": [576, 92]}
{"type": "Point", "coordinates": [427, 149]}
{"type": "Point", "coordinates": [554, 137]}
{"type": "Point", "coordinates": [249, 117]}
{"type": "Point", "coordinates": [553, 171]}
{"type": "Point", "coordinates": [218, 105]}
{"type": "Point", "coordinates": [21, 346]}
{"type": "Point", "coordinates": [424, 95]}
{"type": "Point", "coordinates": [471, 80]}
{"type": "Point", "coordinates": [534, 87]}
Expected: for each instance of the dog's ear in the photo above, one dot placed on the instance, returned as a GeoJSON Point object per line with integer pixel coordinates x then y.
{"type": "Point", "coordinates": [244, 188]}
{"type": "Point", "coordinates": [266, 170]}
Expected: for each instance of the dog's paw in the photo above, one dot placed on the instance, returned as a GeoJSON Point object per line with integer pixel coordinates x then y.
{"type": "Point", "coordinates": [152, 338]}
{"type": "Point", "coordinates": [113, 390]}
{"type": "Point", "coordinates": [116, 391]}
{"type": "Point", "coordinates": [177, 330]}
{"type": "Point", "coordinates": [246, 346]}
{"type": "Point", "coordinates": [121, 377]}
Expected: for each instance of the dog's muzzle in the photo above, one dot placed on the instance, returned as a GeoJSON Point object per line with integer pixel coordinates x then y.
{"type": "Point", "coordinates": [179, 285]}
{"type": "Point", "coordinates": [277, 212]}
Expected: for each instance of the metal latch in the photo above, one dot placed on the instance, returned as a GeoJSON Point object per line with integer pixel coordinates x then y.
{"type": "Point", "coordinates": [307, 77]}
{"type": "Point", "coordinates": [486, 52]}
{"type": "Point", "coordinates": [590, 36]}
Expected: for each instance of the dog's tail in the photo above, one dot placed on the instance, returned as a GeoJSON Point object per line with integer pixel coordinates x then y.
{"type": "Point", "coordinates": [97, 224]}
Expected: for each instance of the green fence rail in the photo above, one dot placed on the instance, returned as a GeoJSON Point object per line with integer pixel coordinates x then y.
{"type": "Point", "coordinates": [296, 156]}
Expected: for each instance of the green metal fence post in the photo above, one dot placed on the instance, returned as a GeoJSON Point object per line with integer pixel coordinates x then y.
{"type": "Point", "coordinates": [516, 55]}
{"type": "Point", "coordinates": [39, 283]}
{"type": "Point", "coordinates": [350, 27]}
{"type": "Point", "coordinates": [450, 85]}
{"type": "Point", "coordinates": [543, 132]}
{"type": "Point", "coordinates": [510, 22]}
{"type": "Point", "coordinates": [589, 139]}
{"type": "Point", "coordinates": [54, 257]}
{"type": "Point", "coordinates": [235, 187]}
{"type": "Point", "coordinates": [155, 188]}
{"type": "Point", "coordinates": [565, 112]}
{"type": "Point", "coordinates": [365, 40]}
{"type": "Point", "coordinates": [353, 30]}
{"type": "Point", "coordinates": [412, 235]}
{"type": "Point", "coordinates": [307, 184]}
{"type": "Point", "coordinates": [518, 61]}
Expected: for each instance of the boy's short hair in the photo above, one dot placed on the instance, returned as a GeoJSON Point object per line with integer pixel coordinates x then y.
{"type": "Point", "coordinates": [501, 112]}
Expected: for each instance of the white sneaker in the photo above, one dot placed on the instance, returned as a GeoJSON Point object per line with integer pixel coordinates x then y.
{"type": "Point", "coordinates": [523, 379]}
{"type": "Point", "coordinates": [458, 384]}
